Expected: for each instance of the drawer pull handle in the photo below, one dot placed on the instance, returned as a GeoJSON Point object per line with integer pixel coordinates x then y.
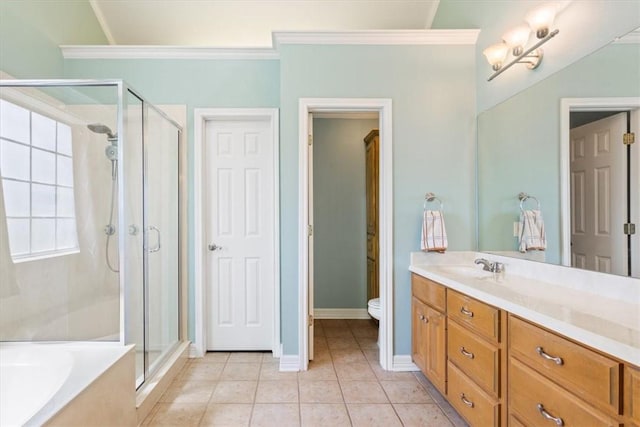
{"type": "Point", "coordinates": [466, 312]}
{"type": "Point", "coordinates": [466, 401]}
{"type": "Point", "coordinates": [556, 359]}
{"type": "Point", "coordinates": [548, 416]}
{"type": "Point", "coordinates": [423, 318]}
{"type": "Point", "coordinates": [466, 353]}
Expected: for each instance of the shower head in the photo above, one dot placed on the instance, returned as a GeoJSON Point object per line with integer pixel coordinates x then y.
{"type": "Point", "coordinates": [100, 128]}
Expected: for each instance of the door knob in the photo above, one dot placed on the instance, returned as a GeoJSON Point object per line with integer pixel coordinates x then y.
{"type": "Point", "coordinates": [214, 247]}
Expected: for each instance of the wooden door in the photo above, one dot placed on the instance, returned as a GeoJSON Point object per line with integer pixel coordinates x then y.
{"type": "Point", "coordinates": [371, 178]}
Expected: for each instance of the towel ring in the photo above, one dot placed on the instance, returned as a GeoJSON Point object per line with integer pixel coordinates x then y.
{"type": "Point", "coordinates": [430, 197]}
{"type": "Point", "coordinates": [524, 197]}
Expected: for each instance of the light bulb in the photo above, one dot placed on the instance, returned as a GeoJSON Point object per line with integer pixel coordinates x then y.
{"type": "Point", "coordinates": [517, 38]}
{"type": "Point", "coordinates": [495, 55]}
{"type": "Point", "coordinates": [540, 19]}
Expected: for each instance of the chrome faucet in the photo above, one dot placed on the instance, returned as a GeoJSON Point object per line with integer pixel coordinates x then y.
{"type": "Point", "coordinates": [494, 267]}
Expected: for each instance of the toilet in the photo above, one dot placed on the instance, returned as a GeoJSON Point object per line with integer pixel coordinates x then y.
{"type": "Point", "coordinates": [373, 307]}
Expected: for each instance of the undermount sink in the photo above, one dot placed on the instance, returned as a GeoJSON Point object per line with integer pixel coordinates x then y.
{"type": "Point", "coordinates": [470, 272]}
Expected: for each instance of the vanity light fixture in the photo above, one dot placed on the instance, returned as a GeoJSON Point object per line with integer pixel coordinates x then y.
{"type": "Point", "coordinates": [539, 21]}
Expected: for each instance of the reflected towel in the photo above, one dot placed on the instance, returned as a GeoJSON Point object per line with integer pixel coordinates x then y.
{"type": "Point", "coordinates": [434, 235]}
{"type": "Point", "coordinates": [532, 235]}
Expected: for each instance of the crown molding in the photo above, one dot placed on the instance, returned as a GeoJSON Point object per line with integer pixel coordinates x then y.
{"type": "Point", "coordinates": [377, 37]}
{"type": "Point", "coordinates": [164, 52]}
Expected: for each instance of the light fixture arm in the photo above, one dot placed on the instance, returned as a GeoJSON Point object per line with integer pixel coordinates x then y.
{"type": "Point", "coordinates": [529, 58]}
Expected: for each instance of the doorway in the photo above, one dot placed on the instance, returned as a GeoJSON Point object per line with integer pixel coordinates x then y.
{"type": "Point", "coordinates": [236, 230]}
{"type": "Point", "coordinates": [601, 185]}
{"type": "Point", "coordinates": [307, 108]}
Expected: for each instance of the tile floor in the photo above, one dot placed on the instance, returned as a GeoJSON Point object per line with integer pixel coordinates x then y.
{"type": "Point", "coordinates": [344, 386]}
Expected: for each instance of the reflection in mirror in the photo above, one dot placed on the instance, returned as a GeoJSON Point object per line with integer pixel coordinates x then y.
{"type": "Point", "coordinates": [523, 146]}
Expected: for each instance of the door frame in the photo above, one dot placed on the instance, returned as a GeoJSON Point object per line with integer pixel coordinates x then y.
{"type": "Point", "coordinates": [200, 117]}
{"type": "Point", "coordinates": [385, 225]}
{"type": "Point", "coordinates": [568, 105]}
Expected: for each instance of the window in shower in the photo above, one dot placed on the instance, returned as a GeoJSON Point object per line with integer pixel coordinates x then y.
{"type": "Point", "coordinates": [36, 166]}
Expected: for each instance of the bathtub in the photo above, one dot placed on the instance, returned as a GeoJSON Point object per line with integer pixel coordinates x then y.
{"type": "Point", "coordinates": [66, 384]}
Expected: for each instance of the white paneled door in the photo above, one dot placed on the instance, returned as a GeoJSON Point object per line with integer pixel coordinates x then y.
{"type": "Point", "coordinates": [240, 234]}
{"type": "Point", "coordinates": [598, 201]}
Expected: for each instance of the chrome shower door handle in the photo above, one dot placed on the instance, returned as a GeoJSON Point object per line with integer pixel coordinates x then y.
{"type": "Point", "coordinates": [156, 248]}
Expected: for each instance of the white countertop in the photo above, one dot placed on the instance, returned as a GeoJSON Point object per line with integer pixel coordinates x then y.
{"type": "Point", "coordinates": [599, 310]}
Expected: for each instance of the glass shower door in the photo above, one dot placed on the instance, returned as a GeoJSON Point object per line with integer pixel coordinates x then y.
{"type": "Point", "coordinates": [161, 225]}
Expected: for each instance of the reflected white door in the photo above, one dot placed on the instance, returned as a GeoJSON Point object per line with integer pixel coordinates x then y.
{"type": "Point", "coordinates": [598, 200]}
{"type": "Point", "coordinates": [240, 236]}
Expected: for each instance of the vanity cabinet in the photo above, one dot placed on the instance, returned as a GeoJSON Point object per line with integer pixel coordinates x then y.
{"type": "Point", "coordinates": [372, 144]}
{"type": "Point", "coordinates": [551, 377]}
{"type": "Point", "coordinates": [429, 330]}
{"type": "Point", "coordinates": [475, 350]}
{"type": "Point", "coordinates": [632, 395]}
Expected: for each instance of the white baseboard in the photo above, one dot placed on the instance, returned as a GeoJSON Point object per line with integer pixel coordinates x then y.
{"type": "Point", "coordinates": [194, 351]}
{"type": "Point", "coordinates": [289, 363]}
{"type": "Point", "coordinates": [403, 363]}
{"type": "Point", "coordinates": [341, 313]}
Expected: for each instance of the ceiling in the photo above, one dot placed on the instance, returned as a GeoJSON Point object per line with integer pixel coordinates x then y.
{"type": "Point", "coordinates": [250, 23]}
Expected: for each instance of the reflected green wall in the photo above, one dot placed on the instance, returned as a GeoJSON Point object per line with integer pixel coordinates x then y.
{"type": "Point", "coordinates": [519, 143]}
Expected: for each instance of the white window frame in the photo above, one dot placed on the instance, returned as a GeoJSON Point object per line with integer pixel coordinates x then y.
{"type": "Point", "coordinates": [57, 250]}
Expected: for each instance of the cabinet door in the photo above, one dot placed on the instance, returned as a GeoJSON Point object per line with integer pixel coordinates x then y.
{"type": "Point", "coordinates": [436, 358]}
{"type": "Point", "coordinates": [373, 291]}
{"type": "Point", "coordinates": [419, 334]}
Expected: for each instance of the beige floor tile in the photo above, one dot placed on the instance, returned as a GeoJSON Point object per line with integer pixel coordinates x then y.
{"type": "Point", "coordinates": [227, 414]}
{"type": "Point", "coordinates": [202, 372]}
{"type": "Point", "coordinates": [348, 355]}
{"type": "Point", "coordinates": [275, 415]}
{"type": "Point", "coordinates": [189, 391]}
{"type": "Point", "coordinates": [383, 375]}
{"type": "Point", "coordinates": [368, 342]}
{"type": "Point", "coordinates": [337, 332]}
{"type": "Point", "coordinates": [245, 357]}
{"type": "Point", "coordinates": [271, 371]}
{"type": "Point", "coordinates": [365, 333]}
{"type": "Point", "coordinates": [338, 343]}
{"type": "Point", "coordinates": [216, 356]}
{"type": "Point", "coordinates": [372, 355]}
{"type": "Point", "coordinates": [361, 323]}
{"type": "Point", "coordinates": [152, 413]}
{"type": "Point", "coordinates": [234, 392]}
{"type": "Point", "coordinates": [363, 392]}
{"type": "Point", "coordinates": [320, 392]}
{"type": "Point", "coordinates": [405, 392]}
{"type": "Point", "coordinates": [320, 343]}
{"type": "Point", "coordinates": [318, 370]}
{"type": "Point", "coordinates": [324, 415]}
{"type": "Point", "coordinates": [334, 323]}
{"type": "Point", "coordinates": [421, 415]}
{"type": "Point", "coordinates": [373, 415]}
{"type": "Point", "coordinates": [241, 371]}
{"type": "Point", "coordinates": [354, 372]}
{"type": "Point", "coordinates": [268, 358]}
{"type": "Point", "coordinates": [277, 392]}
{"type": "Point", "coordinates": [178, 414]}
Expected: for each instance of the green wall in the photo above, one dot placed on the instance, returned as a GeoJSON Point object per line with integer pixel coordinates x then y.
{"type": "Point", "coordinates": [433, 97]}
{"type": "Point", "coordinates": [339, 215]}
{"type": "Point", "coordinates": [32, 31]}
{"type": "Point", "coordinates": [519, 143]}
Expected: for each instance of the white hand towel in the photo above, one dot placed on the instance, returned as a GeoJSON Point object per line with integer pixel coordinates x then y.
{"type": "Point", "coordinates": [532, 235]}
{"type": "Point", "coordinates": [434, 235]}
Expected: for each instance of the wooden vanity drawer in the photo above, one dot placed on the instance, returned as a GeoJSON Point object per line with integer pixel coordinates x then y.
{"type": "Point", "coordinates": [632, 393]}
{"type": "Point", "coordinates": [428, 292]}
{"type": "Point", "coordinates": [474, 314]}
{"type": "Point", "coordinates": [591, 376]}
{"type": "Point", "coordinates": [530, 394]}
{"type": "Point", "coordinates": [476, 406]}
{"type": "Point", "coordinates": [477, 358]}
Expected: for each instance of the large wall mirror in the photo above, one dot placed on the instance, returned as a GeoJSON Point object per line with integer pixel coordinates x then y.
{"type": "Point", "coordinates": [560, 142]}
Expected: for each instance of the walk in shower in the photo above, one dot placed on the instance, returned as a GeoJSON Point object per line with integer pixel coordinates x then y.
{"type": "Point", "coordinates": [90, 238]}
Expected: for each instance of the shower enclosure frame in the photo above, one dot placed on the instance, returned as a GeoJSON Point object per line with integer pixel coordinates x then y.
{"type": "Point", "coordinates": [122, 88]}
